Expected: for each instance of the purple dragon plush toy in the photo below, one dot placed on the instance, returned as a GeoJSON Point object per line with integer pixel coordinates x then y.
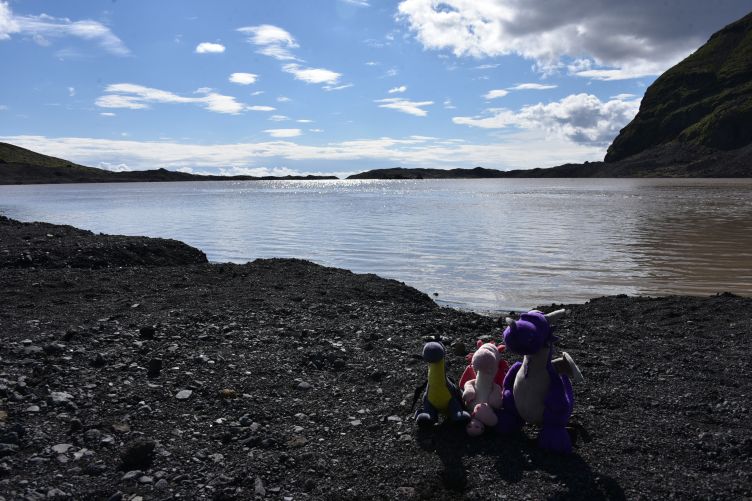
{"type": "Point", "coordinates": [538, 389]}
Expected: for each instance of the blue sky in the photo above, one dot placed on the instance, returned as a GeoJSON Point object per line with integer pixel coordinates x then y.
{"type": "Point", "coordinates": [337, 86]}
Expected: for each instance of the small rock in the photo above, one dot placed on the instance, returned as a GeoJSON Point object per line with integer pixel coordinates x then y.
{"type": "Point", "coordinates": [355, 422]}
{"type": "Point", "coordinates": [228, 393]}
{"type": "Point", "coordinates": [60, 397]}
{"type": "Point", "coordinates": [93, 435]}
{"type": "Point", "coordinates": [184, 394]}
{"type": "Point", "coordinates": [154, 367]}
{"type": "Point", "coordinates": [258, 487]}
{"type": "Point", "coordinates": [54, 349]}
{"type": "Point", "coordinates": [138, 454]}
{"type": "Point", "coordinates": [147, 332]}
{"type": "Point", "coordinates": [120, 427]}
{"type": "Point", "coordinates": [304, 386]}
{"type": "Point", "coordinates": [118, 496]}
{"type": "Point", "coordinates": [145, 479]}
{"type": "Point", "coordinates": [405, 492]}
{"type": "Point", "coordinates": [75, 425]}
{"type": "Point", "coordinates": [32, 408]}
{"type": "Point", "coordinates": [245, 420]}
{"type": "Point", "coordinates": [56, 493]}
{"type": "Point", "coordinates": [217, 458]}
{"type": "Point", "coordinates": [61, 448]}
{"type": "Point", "coordinates": [162, 485]}
{"type": "Point", "coordinates": [296, 441]}
{"type": "Point", "coordinates": [98, 362]}
{"type": "Point", "coordinates": [131, 475]}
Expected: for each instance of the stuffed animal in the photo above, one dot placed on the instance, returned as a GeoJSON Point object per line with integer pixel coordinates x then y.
{"type": "Point", "coordinates": [440, 394]}
{"type": "Point", "coordinates": [534, 391]}
{"type": "Point", "coordinates": [481, 386]}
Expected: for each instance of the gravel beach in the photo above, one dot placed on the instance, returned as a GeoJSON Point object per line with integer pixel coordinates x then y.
{"type": "Point", "coordinates": [130, 368]}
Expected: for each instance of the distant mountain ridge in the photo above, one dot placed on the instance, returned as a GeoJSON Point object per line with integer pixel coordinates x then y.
{"type": "Point", "coordinates": [21, 166]}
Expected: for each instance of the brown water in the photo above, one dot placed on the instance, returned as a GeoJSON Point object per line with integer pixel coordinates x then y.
{"type": "Point", "coordinates": [481, 244]}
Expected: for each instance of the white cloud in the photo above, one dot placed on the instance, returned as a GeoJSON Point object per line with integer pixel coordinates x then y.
{"type": "Point", "coordinates": [493, 94]}
{"type": "Point", "coordinates": [133, 96]}
{"type": "Point", "coordinates": [312, 75]}
{"type": "Point", "coordinates": [359, 3]}
{"type": "Point", "coordinates": [43, 27]}
{"type": "Point", "coordinates": [260, 108]}
{"type": "Point", "coordinates": [304, 121]}
{"type": "Point", "coordinates": [283, 132]}
{"type": "Point", "coordinates": [396, 90]}
{"type": "Point", "coordinates": [71, 91]}
{"type": "Point", "coordinates": [330, 88]}
{"type": "Point", "coordinates": [580, 118]}
{"type": "Point", "coordinates": [257, 93]}
{"type": "Point", "coordinates": [107, 114]}
{"type": "Point", "coordinates": [316, 130]}
{"type": "Point", "coordinates": [283, 99]}
{"type": "Point", "coordinates": [243, 78]}
{"type": "Point", "coordinates": [532, 86]}
{"type": "Point", "coordinates": [272, 40]}
{"type": "Point", "coordinates": [623, 39]}
{"type": "Point", "coordinates": [3, 107]}
{"type": "Point", "coordinates": [518, 150]}
{"type": "Point", "coordinates": [371, 63]}
{"type": "Point", "coordinates": [279, 118]}
{"type": "Point", "coordinates": [448, 104]}
{"type": "Point", "coordinates": [209, 48]}
{"type": "Point", "coordinates": [405, 106]}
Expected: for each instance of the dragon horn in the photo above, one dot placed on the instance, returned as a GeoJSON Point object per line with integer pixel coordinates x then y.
{"type": "Point", "coordinates": [555, 315]}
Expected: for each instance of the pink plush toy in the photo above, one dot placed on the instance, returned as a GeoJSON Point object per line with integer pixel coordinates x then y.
{"type": "Point", "coordinates": [481, 388]}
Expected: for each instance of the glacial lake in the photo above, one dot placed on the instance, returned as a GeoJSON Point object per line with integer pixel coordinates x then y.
{"type": "Point", "coordinates": [487, 245]}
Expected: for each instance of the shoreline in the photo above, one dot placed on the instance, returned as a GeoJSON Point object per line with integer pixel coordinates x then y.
{"type": "Point", "coordinates": [294, 371]}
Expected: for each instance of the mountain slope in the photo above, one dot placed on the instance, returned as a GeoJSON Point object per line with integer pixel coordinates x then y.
{"type": "Point", "coordinates": [705, 100]}
{"type": "Point", "coordinates": [21, 166]}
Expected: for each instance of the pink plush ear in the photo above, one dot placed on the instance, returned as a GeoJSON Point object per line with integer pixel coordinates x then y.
{"type": "Point", "coordinates": [501, 348]}
{"type": "Point", "coordinates": [467, 376]}
{"type": "Point", "coordinates": [479, 343]}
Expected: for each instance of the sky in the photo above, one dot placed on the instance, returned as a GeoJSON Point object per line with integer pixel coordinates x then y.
{"type": "Point", "coordinates": [275, 87]}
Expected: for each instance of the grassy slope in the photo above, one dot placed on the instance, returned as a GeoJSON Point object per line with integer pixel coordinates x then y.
{"type": "Point", "coordinates": [705, 100]}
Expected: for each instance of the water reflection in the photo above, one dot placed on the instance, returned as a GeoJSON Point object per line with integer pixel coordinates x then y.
{"type": "Point", "coordinates": [485, 244]}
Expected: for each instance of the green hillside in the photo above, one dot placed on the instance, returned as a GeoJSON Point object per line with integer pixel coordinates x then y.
{"type": "Point", "coordinates": [705, 100]}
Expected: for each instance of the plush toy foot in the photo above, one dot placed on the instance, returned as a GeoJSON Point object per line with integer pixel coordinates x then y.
{"type": "Point", "coordinates": [460, 417]}
{"type": "Point", "coordinates": [475, 428]}
{"type": "Point", "coordinates": [508, 421]}
{"type": "Point", "coordinates": [555, 439]}
{"type": "Point", "coordinates": [485, 414]}
{"type": "Point", "coordinates": [424, 420]}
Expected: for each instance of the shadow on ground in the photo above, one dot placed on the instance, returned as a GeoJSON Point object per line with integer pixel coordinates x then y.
{"type": "Point", "coordinates": [514, 455]}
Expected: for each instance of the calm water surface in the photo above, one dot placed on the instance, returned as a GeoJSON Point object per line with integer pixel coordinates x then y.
{"type": "Point", "coordinates": [480, 244]}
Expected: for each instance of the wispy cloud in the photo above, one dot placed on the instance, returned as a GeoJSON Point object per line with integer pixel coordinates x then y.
{"type": "Point", "coordinates": [43, 28]}
{"type": "Point", "coordinates": [523, 149]}
{"type": "Point", "coordinates": [359, 3]}
{"type": "Point", "coordinates": [71, 91]}
{"type": "Point", "coordinates": [312, 75]}
{"type": "Point", "coordinates": [272, 41]}
{"type": "Point", "coordinates": [209, 48]}
{"type": "Point", "coordinates": [494, 94]}
{"type": "Point", "coordinates": [279, 118]}
{"type": "Point", "coordinates": [398, 90]}
{"type": "Point", "coordinates": [405, 105]}
{"type": "Point", "coordinates": [532, 86]}
{"type": "Point", "coordinates": [260, 108]}
{"type": "Point", "coordinates": [243, 78]}
{"type": "Point", "coordinates": [283, 132]}
{"type": "Point", "coordinates": [133, 96]}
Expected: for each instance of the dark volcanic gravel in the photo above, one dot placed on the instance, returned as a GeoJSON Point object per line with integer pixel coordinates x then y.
{"type": "Point", "coordinates": [284, 379]}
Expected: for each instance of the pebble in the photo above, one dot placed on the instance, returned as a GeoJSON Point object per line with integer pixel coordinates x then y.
{"type": "Point", "coordinates": [258, 487]}
{"type": "Point", "coordinates": [245, 420]}
{"type": "Point", "coordinates": [303, 385]}
{"type": "Point", "coordinates": [162, 485]}
{"type": "Point", "coordinates": [7, 449]}
{"type": "Point", "coordinates": [145, 479]}
{"type": "Point", "coordinates": [131, 475]}
{"type": "Point", "coordinates": [60, 397]}
{"type": "Point", "coordinates": [355, 422]}
{"type": "Point", "coordinates": [120, 427]}
{"type": "Point", "coordinates": [184, 394]}
{"type": "Point", "coordinates": [61, 448]}
{"type": "Point", "coordinates": [32, 408]}
{"type": "Point", "coordinates": [93, 435]}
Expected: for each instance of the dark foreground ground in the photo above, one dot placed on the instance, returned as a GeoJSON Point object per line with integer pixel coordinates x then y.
{"type": "Point", "coordinates": [300, 380]}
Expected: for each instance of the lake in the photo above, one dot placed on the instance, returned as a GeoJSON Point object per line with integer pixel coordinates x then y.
{"type": "Point", "coordinates": [490, 244]}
